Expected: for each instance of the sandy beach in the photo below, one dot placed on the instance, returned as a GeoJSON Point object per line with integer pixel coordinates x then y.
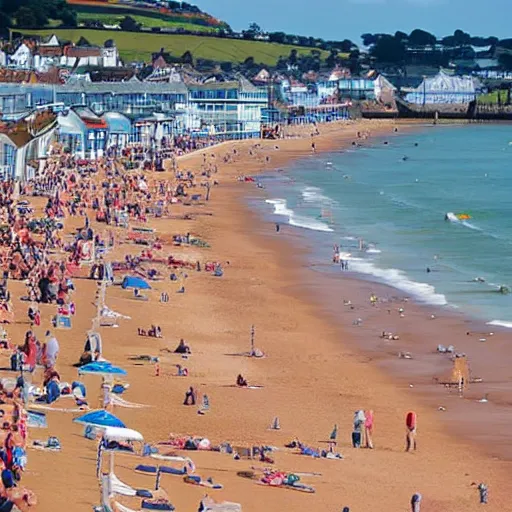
{"type": "Point", "coordinates": [319, 368]}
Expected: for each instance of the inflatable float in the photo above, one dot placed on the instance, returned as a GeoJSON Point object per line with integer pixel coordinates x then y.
{"type": "Point", "coordinates": [455, 217]}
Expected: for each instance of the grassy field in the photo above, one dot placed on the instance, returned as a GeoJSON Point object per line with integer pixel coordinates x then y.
{"type": "Point", "coordinates": [145, 21]}
{"type": "Point", "coordinates": [492, 98]}
{"type": "Point", "coordinates": [136, 46]}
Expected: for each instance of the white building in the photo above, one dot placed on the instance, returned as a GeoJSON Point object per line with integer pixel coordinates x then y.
{"type": "Point", "coordinates": [110, 55]}
{"type": "Point", "coordinates": [233, 107]}
{"type": "Point", "coordinates": [22, 57]}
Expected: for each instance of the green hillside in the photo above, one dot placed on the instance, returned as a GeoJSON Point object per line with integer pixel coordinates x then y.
{"type": "Point", "coordinates": [113, 14]}
{"type": "Point", "coordinates": [137, 46]}
{"type": "Point", "coordinates": [145, 21]}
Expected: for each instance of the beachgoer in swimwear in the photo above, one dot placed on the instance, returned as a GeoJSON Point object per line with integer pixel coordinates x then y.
{"type": "Point", "coordinates": [190, 397]}
{"type": "Point", "coordinates": [240, 381]}
{"type": "Point", "coordinates": [182, 348]}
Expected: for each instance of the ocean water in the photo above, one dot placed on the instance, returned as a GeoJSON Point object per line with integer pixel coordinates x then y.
{"type": "Point", "coordinates": [394, 197]}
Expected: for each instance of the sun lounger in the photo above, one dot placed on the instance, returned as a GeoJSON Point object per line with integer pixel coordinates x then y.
{"type": "Point", "coordinates": [120, 402]}
{"type": "Point", "coordinates": [165, 470]}
{"type": "Point", "coordinates": [209, 505]}
{"type": "Point", "coordinates": [123, 489]}
{"type": "Point", "coordinates": [197, 480]}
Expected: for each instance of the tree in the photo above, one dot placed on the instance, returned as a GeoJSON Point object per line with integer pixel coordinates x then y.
{"type": "Point", "coordinates": [26, 18]}
{"type": "Point", "coordinates": [227, 67]}
{"type": "Point", "coordinates": [401, 36]}
{"type": "Point", "coordinates": [277, 37]}
{"type": "Point", "coordinates": [187, 58]}
{"type": "Point", "coordinates": [369, 39]}
{"type": "Point", "coordinates": [461, 37]}
{"type": "Point", "coordinates": [331, 60]}
{"type": "Point", "coordinates": [292, 59]}
{"type": "Point", "coordinates": [249, 63]}
{"type": "Point", "coordinates": [354, 62]}
{"type": "Point", "coordinates": [255, 29]}
{"type": "Point", "coordinates": [505, 60]}
{"type": "Point", "coordinates": [129, 24]}
{"type": "Point", "coordinates": [388, 49]}
{"type": "Point", "coordinates": [419, 37]}
{"type": "Point", "coordinates": [69, 18]}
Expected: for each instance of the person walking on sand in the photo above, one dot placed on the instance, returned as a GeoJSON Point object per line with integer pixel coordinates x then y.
{"type": "Point", "coordinates": [359, 420]}
{"type": "Point", "coordinates": [416, 502]}
{"type": "Point", "coordinates": [368, 429]}
{"type": "Point", "coordinates": [484, 492]}
{"type": "Point", "coordinates": [410, 425]}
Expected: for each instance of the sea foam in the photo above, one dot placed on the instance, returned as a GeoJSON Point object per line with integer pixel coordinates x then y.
{"type": "Point", "coordinates": [299, 221]}
{"type": "Point", "coordinates": [500, 323]}
{"type": "Point", "coordinates": [398, 279]}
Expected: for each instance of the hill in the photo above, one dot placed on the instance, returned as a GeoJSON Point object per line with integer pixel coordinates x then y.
{"type": "Point", "coordinates": [138, 46]}
{"type": "Point", "coordinates": [147, 16]}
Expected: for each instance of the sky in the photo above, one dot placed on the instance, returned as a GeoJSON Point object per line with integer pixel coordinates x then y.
{"type": "Point", "coordinates": [348, 19]}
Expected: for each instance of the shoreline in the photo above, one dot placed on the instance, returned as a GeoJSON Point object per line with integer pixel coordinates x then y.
{"type": "Point", "coordinates": [315, 374]}
{"type": "Point", "coordinates": [450, 327]}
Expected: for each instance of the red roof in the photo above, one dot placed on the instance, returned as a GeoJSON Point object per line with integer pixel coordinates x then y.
{"type": "Point", "coordinates": [95, 125]}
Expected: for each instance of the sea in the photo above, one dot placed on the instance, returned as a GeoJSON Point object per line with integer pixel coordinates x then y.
{"type": "Point", "coordinates": [428, 212]}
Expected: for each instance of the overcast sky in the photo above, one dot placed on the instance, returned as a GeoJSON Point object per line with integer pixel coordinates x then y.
{"type": "Point", "coordinates": [348, 19]}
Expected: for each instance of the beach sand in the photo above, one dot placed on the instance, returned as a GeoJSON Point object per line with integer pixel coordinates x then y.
{"type": "Point", "coordinates": [319, 369]}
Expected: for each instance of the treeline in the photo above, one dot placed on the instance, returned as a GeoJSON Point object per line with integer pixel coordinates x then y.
{"type": "Point", "coordinates": [254, 32]}
{"type": "Point", "coordinates": [422, 47]}
{"type": "Point", "coordinates": [35, 13]}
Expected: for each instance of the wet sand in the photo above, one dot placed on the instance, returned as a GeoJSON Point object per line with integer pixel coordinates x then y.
{"type": "Point", "coordinates": [319, 369]}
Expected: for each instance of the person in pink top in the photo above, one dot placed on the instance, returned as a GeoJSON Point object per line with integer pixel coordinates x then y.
{"type": "Point", "coordinates": [368, 429]}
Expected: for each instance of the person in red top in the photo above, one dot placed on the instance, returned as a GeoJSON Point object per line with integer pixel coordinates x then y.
{"type": "Point", "coordinates": [410, 425]}
{"type": "Point", "coordinates": [368, 429]}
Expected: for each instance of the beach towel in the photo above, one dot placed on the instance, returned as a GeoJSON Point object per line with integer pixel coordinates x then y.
{"type": "Point", "coordinates": [36, 419]}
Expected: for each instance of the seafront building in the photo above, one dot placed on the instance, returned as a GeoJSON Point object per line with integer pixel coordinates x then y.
{"type": "Point", "coordinates": [24, 142]}
{"type": "Point", "coordinates": [94, 116]}
{"type": "Point", "coordinates": [445, 89]}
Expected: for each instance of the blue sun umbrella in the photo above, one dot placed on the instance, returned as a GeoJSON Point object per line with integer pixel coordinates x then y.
{"type": "Point", "coordinates": [100, 418]}
{"type": "Point", "coordinates": [101, 368]}
{"type": "Point", "coordinates": [135, 282]}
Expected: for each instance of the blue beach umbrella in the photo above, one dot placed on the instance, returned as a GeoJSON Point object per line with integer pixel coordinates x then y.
{"type": "Point", "coordinates": [100, 418]}
{"type": "Point", "coordinates": [135, 282]}
{"type": "Point", "coordinates": [101, 368]}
